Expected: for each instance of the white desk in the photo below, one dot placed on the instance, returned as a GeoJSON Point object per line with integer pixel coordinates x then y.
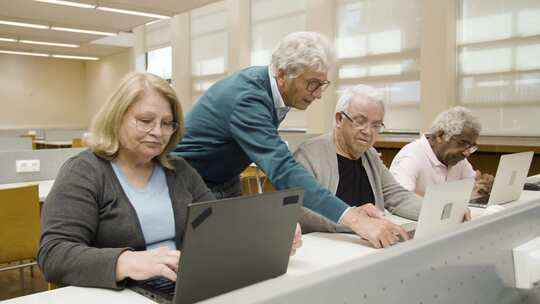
{"type": "Point", "coordinates": [321, 253]}
{"type": "Point", "coordinates": [81, 295]}
{"type": "Point", "coordinates": [44, 187]}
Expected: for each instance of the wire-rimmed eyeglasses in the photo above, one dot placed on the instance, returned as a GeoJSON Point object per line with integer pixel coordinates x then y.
{"type": "Point", "coordinates": [314, 84]}
{"type": "Point", "coordinates": [147, 125]}
{"type": "Point", "coordinates": [363, 123]}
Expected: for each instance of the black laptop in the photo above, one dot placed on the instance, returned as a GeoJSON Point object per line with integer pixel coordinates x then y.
{"type": "Point", "coordinates": [229, 244]}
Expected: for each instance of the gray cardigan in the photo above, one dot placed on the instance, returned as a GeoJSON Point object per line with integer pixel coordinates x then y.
{"type": "Point", "coordinates": [87, 220]}
{"type": "Point", "coordinates": [318, 155]}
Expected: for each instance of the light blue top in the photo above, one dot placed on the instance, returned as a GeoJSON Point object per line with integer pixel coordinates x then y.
{"type": "Point", "coordinates": [153, 206]}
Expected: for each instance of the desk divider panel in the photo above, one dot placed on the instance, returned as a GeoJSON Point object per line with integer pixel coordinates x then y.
{"type": "Point", "coordinates": [472, 264]}
{"type": "Point", "coordinates": [63, 135]}
{"type": "Point", "coordinates": [15, 143]}
{"type": "Point", "coordinates": [50, 162]}
{"type": "Point", "coordinates": [18, 132]}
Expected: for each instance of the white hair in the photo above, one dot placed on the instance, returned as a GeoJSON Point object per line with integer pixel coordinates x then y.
{"type": "Point", "coordinates": [454, 120]}
{"type": "Point", "coordinates": [301, 50]}
{"type": "Point", "coordinates": [363, 92]}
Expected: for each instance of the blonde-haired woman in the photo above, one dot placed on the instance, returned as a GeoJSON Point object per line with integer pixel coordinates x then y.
{"type": "Point", "coordinates": [114, 209]}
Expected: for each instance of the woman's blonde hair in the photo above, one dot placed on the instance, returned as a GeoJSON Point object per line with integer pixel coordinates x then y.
{"type": "Point", "coordinates": [106, 124]}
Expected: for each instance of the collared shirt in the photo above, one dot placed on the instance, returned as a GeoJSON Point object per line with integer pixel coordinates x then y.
{"type": "Point", "coordinates": [279, 104]}
{"type": "Point", "coordinates": [416, 167]}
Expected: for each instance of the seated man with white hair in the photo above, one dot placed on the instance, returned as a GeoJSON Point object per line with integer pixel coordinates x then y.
{"type": "Point", "coordinates": [441, 155]}
{"type": "Point", "coordinates": [345, 162]}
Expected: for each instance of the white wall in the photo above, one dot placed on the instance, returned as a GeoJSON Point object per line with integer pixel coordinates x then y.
{"type": "Point", "coordinates": [56, 93]}
{"type": "Point", "coordinates": [103, 77]}
{"type": "Point", "coordinates": [42, 92]}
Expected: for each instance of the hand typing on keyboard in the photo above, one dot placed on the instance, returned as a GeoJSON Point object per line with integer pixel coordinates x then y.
{"type": "Point", "coordinates": [297, 241]}
{"type": "Point", "coordinates": [142, 265]}
{"type": "Point", "coordinates": [482, 183]}
{"type": "Point", "coordinates": [467, 216]}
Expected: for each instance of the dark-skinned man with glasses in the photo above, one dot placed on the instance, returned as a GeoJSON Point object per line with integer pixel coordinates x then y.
{"type": "Point", "coordinates": [236, 123]}
{"type": "Point", "coordinates": [441, 155]}
{"type": "Point", "coordinates": [345, 162]}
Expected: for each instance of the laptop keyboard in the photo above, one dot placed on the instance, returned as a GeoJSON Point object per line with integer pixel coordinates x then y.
{"type": "Point", "coordinates": [532, 186]}
{"type": "Point", "coordinates": [479, 201]}
{"type": "Point", "coordinates": [162, 284]}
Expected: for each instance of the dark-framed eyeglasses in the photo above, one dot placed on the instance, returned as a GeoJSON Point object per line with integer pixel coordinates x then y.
{"type": "Point", "coordinates": [465, 145]}
{"type": "Point", "coordinates": [147, 125]}
{"type": "Point", "coordinates": [363, 123]}
{"type": "Point", "coordinates": [314, 84]}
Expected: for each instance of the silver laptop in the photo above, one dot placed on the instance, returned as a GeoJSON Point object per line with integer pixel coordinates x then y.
{"type": "Point", "coordinates": [509, 180]}
{"type": "Point", "coordinates": [229, 244]}
{"type": "Point", "coordinates": [443, 208]}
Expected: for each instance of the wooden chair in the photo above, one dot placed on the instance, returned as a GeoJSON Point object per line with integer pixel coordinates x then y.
{"type": "Point", "coordinates": [251, 179]}
{"type": "Point", "coordinates": [76, 143]}
{"type": "Point", "coordinates": [19, 227]}
{"type": "Point", "coordinates": [51, 286]}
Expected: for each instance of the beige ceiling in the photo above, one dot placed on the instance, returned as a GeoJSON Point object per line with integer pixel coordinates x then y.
{"type": "Point", "coordinates": [74, 17]}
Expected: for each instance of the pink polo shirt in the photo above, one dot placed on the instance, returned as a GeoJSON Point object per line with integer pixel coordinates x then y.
{"type": "Point", "coordinates": [416, 167]}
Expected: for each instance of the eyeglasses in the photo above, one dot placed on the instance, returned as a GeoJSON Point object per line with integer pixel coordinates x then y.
{"type": "Point", "coordinates": [363, 123]}
{"type": "Point", "coordinates": [147, 125]}
{"type": "Point", "coordinates": [314, 84]}
{"type": "Point", "coordinates": [465, 145]}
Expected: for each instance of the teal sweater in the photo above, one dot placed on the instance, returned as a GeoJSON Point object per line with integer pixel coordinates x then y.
{"type": "Point", "coordinates": [235, 123]}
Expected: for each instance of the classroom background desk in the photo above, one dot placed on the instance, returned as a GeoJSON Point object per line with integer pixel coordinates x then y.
{"type": "Point", "coordinates": [52, 144]}
{"type": "Point", "coordinates": [472, 264]}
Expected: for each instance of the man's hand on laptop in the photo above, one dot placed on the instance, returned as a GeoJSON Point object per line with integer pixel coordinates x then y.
{"type": "Point", "coordinates": [142, 265]}
{"type": "Point", "coordinates": [379, 232]}
{"type": "Point", "coordinates": [297, 241]}
{"type": "Point", "coordinates": [372, 211]}
{"type": "Point", "coordinates": [467, 216]}
{"type": "Point", "coordinates": [482, 183]}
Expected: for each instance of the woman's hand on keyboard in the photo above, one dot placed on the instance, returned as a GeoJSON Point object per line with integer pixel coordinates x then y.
{"type": "Point", "coordinates": [142, 265]}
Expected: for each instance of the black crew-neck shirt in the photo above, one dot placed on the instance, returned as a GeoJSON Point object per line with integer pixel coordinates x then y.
{"type": "Point", "coordinates": [353, 188]}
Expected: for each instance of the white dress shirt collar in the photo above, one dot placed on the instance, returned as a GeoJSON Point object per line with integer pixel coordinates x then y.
{"type": "Point", "coordinates": [279, 104]}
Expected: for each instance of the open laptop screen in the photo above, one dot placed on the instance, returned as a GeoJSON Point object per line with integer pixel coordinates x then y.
{"type": "Point", "coordinates": [232, 243]}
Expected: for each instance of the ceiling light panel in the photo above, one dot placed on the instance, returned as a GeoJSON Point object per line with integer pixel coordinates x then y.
{"type": "Point", "coordinates": [129, 12]}
{"type": "Point", "coordinates": [74, 30]}
{"type": "Point", "coordinates": [24, 24]}
{"type": "Point", "coordinates": [74, 57]}
{"type": "Point", "coordinates": [24, 53]}
{"type": "Point", "coordinates": [68, 3]}
{"type": "Point", "coordinates": [8, 39]}
{"type": "Point", "coordinates": [69, 45]}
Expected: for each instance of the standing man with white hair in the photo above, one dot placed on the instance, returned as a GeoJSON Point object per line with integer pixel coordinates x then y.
{"type": "Point", "coordinates": [345, 162]}
{"type": "Point", "coordinates": [441, 155]}
{"type": "Point", "coordinates": [236, 122]}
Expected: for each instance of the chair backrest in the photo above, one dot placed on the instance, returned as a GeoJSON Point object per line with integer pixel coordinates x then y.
{"type": "Point", "coordinates": [76, 143]}
{"type": "Point", "coordinates": [251, 179]}
{"type": "Point", "coordinates": [19, 223]}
